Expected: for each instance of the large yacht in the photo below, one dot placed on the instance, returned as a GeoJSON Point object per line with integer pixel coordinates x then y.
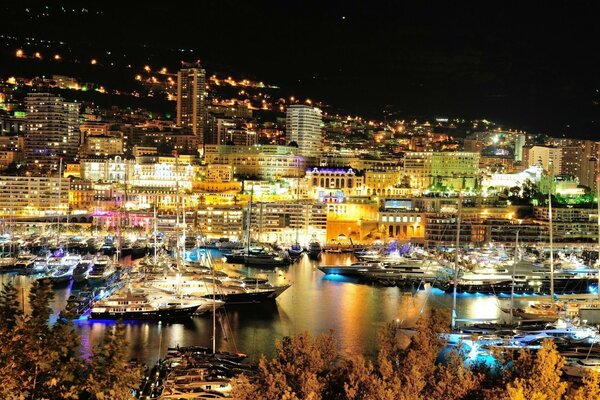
{"type": "Point", "coordinates": [138, 304]}
{"type": "Point", "coordinates": [102, 271]}
{"type": "Point", "coordinates": [222, 288]}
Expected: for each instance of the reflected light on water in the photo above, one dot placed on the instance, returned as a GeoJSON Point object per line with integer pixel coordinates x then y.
{"type": "Point", "coordinates": [314, 303]}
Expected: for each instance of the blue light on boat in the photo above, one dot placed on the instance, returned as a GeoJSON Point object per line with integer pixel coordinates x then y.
{"type": "Point", "coordinates": [338, 278]}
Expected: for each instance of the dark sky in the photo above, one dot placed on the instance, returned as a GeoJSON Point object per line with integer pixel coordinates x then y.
{"type": "Point", "coordinates": [533, 66]}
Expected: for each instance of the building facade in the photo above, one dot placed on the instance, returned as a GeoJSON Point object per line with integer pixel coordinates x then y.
{"type": "Point", "coordinates": [303, 126]}
{"type": "Point", "coordinates": [191, 100]}
{"type": "Point", "coordinates": [33, 196]}
{"type": "Point", "coordinates": [52, 130]}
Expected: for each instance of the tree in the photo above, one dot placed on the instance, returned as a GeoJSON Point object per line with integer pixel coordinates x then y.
{"type": "Point", "coordinates": [590, 390]}
{"type": "Point", "coordinates": [110, 375]}
{"type": "Point", "coordinates": [540, 376]}
{"type": "Point", "coordinates": [10, 309]}
{"type": "Point", "coordinates": [303, 368]}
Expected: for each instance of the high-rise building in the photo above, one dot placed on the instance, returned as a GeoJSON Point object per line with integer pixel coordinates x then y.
{"type": "Point", "coordinates": [303, 126]}
{"type": "Point", "coordinates": [52, 130]}
{"type": "Point", "coordinates": [191, 99]}
{"type": "Point", "coordinates": [546, 156]}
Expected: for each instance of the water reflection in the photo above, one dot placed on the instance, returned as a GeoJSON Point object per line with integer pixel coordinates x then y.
{"type": "Point", "coordinates": [314, 303]}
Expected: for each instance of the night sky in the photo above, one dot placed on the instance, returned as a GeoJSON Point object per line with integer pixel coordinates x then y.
{"type": "Point", "coordinates": [533, 66]}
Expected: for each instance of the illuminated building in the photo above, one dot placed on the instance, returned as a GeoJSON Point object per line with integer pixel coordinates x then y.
{"type": "Point", "coordinates": [221, 221]}
{"type": "Point", "coordinates": [303, 126]}
{"type": "Point", "coordinates": [545, 156]}
{"type": "Point", "coordinates": [399, 220]}
{"type": "Point", "coordinates": [103, 145]}
{"type": "Point", "coordinates": [234, 131]}
{"type": "Point", "coordinates": [354, 218]}
{"type": "Point", "coordinates": [262, 162]}
{"type": "Point", "coordinates": [140, 151]}
{"type": "Point", "coordinates": [52, 130]}
{"type": "Point", "coordinates": [191, 99]}
{"type": "Point", "coordinates": [382, 183]}
{"type": "Point", "coordinates": [334, 182]}
{"type": "Point", "coordinates": [92, 128]}
{"type": "Point", "coordinates": [105, 169]}
{"type": "Point", "coordinates": [82, 195]}
{"type": "Point", "coordinates": [441, 229]}
{"type": "Point", "coordinates": [500, 181]}
{"type": "Point", "coordinates": [281, 221]}
{"type": "Point", "coordinates": [457, 170]}
{"type": "Point", "coordinates": [33, 196]}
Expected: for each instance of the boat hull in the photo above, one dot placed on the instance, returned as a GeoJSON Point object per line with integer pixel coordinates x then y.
{"type": "Point", "coordinates": [183, 312]}
{"type": "Point", "coordinates": [245, 298]}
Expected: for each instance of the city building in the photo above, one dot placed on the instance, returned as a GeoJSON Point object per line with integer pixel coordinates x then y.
{"type": "Point", "coordinates": [334, 183]}
{"type": "Point", "coordinates": [303, 126]}
{"type": "Point", "coordinates": [546, 156]}
{"type": "Point", "coordinates": [103, 145]}
{"type": "Point", "coordinates": [456, 170]}
{"type": "Point", "coordinates": [282, 222]}
{"type": "Point", "coordinates": [52, 130]}
{"type": "Point", "coordinates": [191, 98]}
{"type": "Point", "coordinates": [33, 196]}
{"type": "Point", "coordinates": [221, 221]}
{"type": "Point", "coordinates": [259, 161]}
{"type": "Point", "coordinates": [401, 221]}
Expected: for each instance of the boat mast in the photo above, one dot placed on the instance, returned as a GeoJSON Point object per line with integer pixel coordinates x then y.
{"type": "Point", "coordinates": [214, 305]}
{"type": "Point", "coordinates": [250, 215]}
{"type": "Point", "coordinates": [183, 238]}
{"type": "Point", "coordinates": [598, 205]}
{"type": "Point", "coordinates": [297, 201]}
{"type": "Point", "coordinates": [177, 238]}
{"type": "Point", "coordinates": [155, 232]}
{"type": "Point", "coordinates": [456, 268]}
{"type": "Point", "coordinates": [58, 203]}
{"type": "Point", "coordinates": [550, 226]}
{"type": "Point", "coordinates": [512, 287]}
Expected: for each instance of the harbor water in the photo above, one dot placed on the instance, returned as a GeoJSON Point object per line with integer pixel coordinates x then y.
{"type": "Point", "coordinates": [316, 303]}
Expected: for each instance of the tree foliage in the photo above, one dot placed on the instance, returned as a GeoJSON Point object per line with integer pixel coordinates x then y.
{"type": "Point", "coordinates": [40, 361]}
{"type": "Point", "coordinates": [408, 367]}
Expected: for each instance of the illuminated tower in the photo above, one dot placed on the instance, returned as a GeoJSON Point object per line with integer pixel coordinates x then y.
{"type": "Point", "coordinates": [303, 126]}
{"type": "Point", "coordinates": [191, 97]}
{"type": "Point", "coordinates": [51, 130]}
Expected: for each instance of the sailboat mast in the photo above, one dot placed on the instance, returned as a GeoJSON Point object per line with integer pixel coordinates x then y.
{"type": "Point", "coordinates": [155, 233]}
{"type": "Point", "coordinates": [58, 203]}
{"type": "Point", "coordinates": [177, 238]}
{"type": "Point", "coordinates": [456, 268]}
{"type": "Point", "coordinates": [512, 286]}
{"type": "Point", "coordinates": [598, 205]}
{"type": "Point", "coordinates": [550, 227]}
{"type": "Point", "coordinates": [250, 215]}
{"type": "Point", "coordinates": [214, 305]}
{"type": "Point", "coordinates": [297, 201]}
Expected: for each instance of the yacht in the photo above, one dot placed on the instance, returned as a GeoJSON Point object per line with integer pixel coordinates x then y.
{"type": "Point", "coordinates": [258, 257]}
{"type": "Point", "coordinates": [220, 288]}
{"type": "Point", "coordinates": [138, 304]}
{"type": "Point", "coordinates": [62, 275]}
{"type": "Point", "coordinates": [295, 251]}
{"type": "Point", "coordinates": [102, 271]}
{"type": "Point", "coordinates": [353, 270]}
{"type": "Point", "coordinates": [24, 262]}
{"type": "Point", "coordinates": [81, 272]}
{"type": "Point", "coordinates": [314, 248]}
